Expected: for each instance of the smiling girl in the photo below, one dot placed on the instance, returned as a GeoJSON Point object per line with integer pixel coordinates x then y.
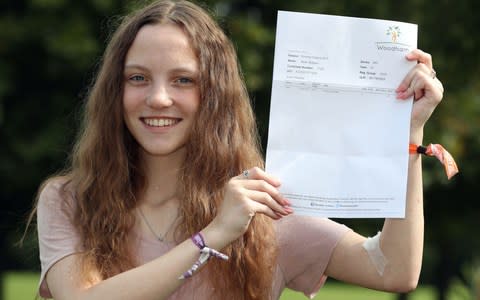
{"type": "Point", "coordinates": [166, 197]}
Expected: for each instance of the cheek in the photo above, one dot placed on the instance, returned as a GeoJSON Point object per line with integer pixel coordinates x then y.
{"type": "Point", "coordinates": [187, 101]}
{"type": "Point", "coordinates": [195, 102]}
{"type": "Point", "coordinates": [131, 100]}
{"type": "Point", "coordinates": [195, 107]}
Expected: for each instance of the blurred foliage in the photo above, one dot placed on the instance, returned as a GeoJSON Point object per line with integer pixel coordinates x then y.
{"type": "Point", "coordinates": [49, 51]}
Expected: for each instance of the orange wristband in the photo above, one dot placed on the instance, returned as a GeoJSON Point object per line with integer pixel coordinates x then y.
{"type": "Point", "coordinates": [440, 153]}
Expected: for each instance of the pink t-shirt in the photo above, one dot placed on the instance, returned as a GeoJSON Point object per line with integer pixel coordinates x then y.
{"type": "Point", "coordinates": [305, 247]}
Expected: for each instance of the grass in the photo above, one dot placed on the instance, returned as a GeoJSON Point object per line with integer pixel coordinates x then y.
{"type": "Point", "coordinates": [23, 286]}
{"type": "Point", "coordinates": [341, 291]}
{"type": "Point", "coordinates": [20, 286]}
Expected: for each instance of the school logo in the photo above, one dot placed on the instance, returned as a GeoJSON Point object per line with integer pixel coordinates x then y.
{"type": "Point", "coordinates": [394, 33]}
{"type": "Point", "coordinates": [394, 44]}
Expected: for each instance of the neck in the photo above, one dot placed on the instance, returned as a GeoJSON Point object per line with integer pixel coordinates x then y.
{"type": "Point", "coordinates": [162, 174]}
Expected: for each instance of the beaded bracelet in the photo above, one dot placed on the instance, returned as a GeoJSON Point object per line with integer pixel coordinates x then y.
{"type": "Point", "coordinates": [205, 254]}
{"type": "Point", "coordinates": [440, 153]}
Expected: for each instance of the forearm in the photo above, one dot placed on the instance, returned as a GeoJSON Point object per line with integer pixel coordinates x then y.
{"type": "Point", "coordinates": [157, 279]}
{"type": "Point", "coordinates": [402, 239]}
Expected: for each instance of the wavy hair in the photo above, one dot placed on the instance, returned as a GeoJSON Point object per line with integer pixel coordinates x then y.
{"type": "Point", "coordinates": [107, 175]}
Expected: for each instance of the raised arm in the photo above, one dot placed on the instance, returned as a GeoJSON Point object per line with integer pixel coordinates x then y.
{"type": "Point", "coordinates": [401, 240]}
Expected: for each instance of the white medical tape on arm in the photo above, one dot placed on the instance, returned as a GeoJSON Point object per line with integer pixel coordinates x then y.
{"type": "Point", "coordinates": [372, 245]}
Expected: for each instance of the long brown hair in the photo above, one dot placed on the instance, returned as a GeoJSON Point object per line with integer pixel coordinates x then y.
{"type": "Point", "coordinates": [106, 172]}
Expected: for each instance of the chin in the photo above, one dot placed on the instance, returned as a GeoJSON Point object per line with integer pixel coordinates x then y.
{"type": "Point", "coordinates": [164, 151]}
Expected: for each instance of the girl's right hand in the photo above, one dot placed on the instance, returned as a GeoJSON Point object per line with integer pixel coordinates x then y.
{"type": "Point", "coordinates": [253, 191]}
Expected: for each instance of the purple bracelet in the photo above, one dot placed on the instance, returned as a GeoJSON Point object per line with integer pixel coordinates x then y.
{"type": "Point", "coordinates": [198, 240]}
{"type": "Point", "coordinates": [205, 254]}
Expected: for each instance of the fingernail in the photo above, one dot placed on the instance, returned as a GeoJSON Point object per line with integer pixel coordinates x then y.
{"type": "Point", "coordinates": [402, 95]}
{"type": "Point", "coordinates": [288, 209]}
{"type": "Point", "coordinates": [401, 88]}
{"type": "Point", "coordinates": [275, 181]}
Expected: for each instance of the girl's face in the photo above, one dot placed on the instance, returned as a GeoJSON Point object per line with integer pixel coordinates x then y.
{"type": "Point", "coordinates": [161, 89]}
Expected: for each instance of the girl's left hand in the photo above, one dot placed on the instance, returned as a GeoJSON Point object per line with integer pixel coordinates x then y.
{"type": "Point", "coordinates": [421, 83]}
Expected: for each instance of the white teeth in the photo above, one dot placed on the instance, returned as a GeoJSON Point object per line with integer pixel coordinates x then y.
{"type": "Point", "coordinates": [159, 122]}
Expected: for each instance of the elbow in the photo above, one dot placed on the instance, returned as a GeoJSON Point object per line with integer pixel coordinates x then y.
{"type": "Point", "coordinates": [407, 286]}
{"type": "Point", "coordinates": [403, 284]}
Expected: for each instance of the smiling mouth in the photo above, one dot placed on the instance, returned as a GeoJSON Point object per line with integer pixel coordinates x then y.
{"type": "Point", "coordinates": [160, 122]}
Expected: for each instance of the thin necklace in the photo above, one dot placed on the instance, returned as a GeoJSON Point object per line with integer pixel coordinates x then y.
{"type": "Point", "coordinates": [159, 237]}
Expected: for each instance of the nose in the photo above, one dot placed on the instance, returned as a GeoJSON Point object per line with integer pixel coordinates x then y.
{"type": "Point", "coordinates": [159, 96]}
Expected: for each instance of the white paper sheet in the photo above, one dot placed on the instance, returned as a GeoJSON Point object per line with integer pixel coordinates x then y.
{"type": "Point", "coordinates": [338, 137]}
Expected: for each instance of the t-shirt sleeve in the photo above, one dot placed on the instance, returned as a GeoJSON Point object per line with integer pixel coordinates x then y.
{"type": "Point", "coordinates": [305, 247]}
{"type": "Point", "coordinates": [56, 235]}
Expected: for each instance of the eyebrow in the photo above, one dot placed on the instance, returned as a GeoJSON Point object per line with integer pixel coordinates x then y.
{"type": "Point", "coordinates": [179, 69]}
{"type": "Point", "coordinates": [135, 66]}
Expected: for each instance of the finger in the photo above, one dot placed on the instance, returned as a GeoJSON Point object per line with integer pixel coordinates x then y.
{"type": "Point", "coordinates": [267, 200]}
{"type": "Point", "coordinates": [402, 90]}
{"type": "Point", "coordinates": [406, 82]}
{"type": "Point", "coordinates": [257, 173]}
{"type": "Point", "coordinates": [421, 57]}
{"type": "Point", "coordinates": [245, 175]}
{"type": "Point", "coordinates": [421, 86]}
{"type": "Point", "coordinates": [439, 84]}
{"type": "Point", "coordinates": [436, 81]}
{"type": "Point", "coordinates": [259, 207]}
{"type": "Point", "coordinates": [418, 87]}
{"type": "Point", "coordinates": [263, 186]}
